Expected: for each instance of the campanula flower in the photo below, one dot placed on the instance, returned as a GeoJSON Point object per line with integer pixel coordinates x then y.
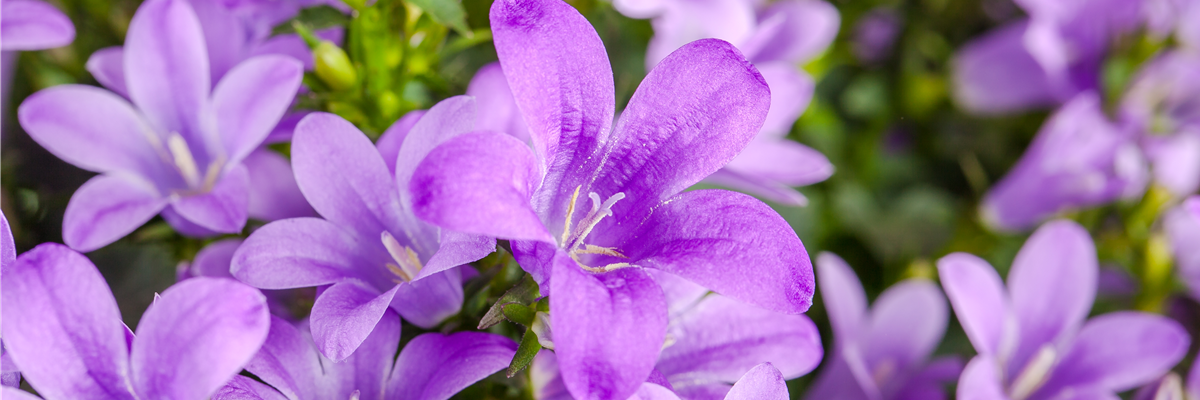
{"type": "Point", "coordinates": [368, 244]}
{"type": "Point", "coordinates": [63, 328]}
{"type": "Point", "coordinates": [1034, 340]}
{"type": "Point", "coordinates": [882, 352]}
{"type": "Point", "coordinates": [180, 151]}
{"type": "Point", "coordinates": [1162, 105]}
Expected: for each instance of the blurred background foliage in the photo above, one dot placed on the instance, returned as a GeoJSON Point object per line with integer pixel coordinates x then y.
{"type": "Point", "coordinates": [911, 166]}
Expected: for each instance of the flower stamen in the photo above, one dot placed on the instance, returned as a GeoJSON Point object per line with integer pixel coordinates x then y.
{"type": "Point", "coordinates": [407, 264]}
{"type": "Point", "coordinates": [1034, 374]}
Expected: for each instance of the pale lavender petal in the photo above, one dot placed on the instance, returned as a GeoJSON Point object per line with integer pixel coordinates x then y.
{"type": "Point", "coordinates": [480, 183]}
{"type": "Point", "coordinates": [907, 323]}
{"type": "Point", "coordinates": [389, 143]}
{"type": "Point", "coordinates": [283, 131]}
{"type": "Point", "coordinates": [185, 226]}
{"type": "Point", "coordinates": [793, 31]}
{"type": "Point", "coordinates": [196, 337]}
{"type": "Point", "coordinates": [979, 300]}
{"type": "Point", "coordinates": [13, 393]}
{"type": "Point", "coordinates": [107, 208]}
{"type": "Point", "coordinates": [628, 306]}
{"type": "Point", "coordinates": [344, 314]}
{"type": "Point", "coordinates": [996, 74]}
{"type": "Point", "coordinates": [298, 252]}
{"type": "Point", "coordinates": [980, 380]}
{"type": "Point", "coordinates": [684, 22]}
{"type": "Point", "coordinates": [225, 35]}
{"type": "Point", "coordinates": [288, 45]}
{"type": "Point", "coordinates": [245, 388]}
{"type": "Point", "coordinates": [764, 382]}
{"type": "Point", "coordinates": [367, 370]}
{"type": "Point", "coordinates": [759, 186]}
{"type": "Point", "coordinates": [435, 366]}
{"type": "Point", "coordinates": [546, 379]}
{"type": "Point", "coordinates": [445, 120]}
{"type": "Point", "coordinates": [650, 391]}
{"type": "Point", "coordinates": [845, 300]}
{"type": "Point", "coordinates": [1120, 351]}
{"type": "Point", "coordinates": [166, 70]}
{"type": "Point", "coordinates": [33, 25]}
{"type": "Point", "coordinates": [62, 326]}
{"type": "Point", "coordinates": [640, 9]}
{"type": "Point", "coordinates": [497, 108]}
{"type": "Point", "coordinates": [457, 249]}
{"type": "Point", "coordinates": [274, 194]}
{"type": "Point", "coordinates": [107, 65]}
{"type": "Point", "coordinates": [249, 101]}
{"type": "Point", "coordinates": [214, 259]}
{"type": "Point", "coordinates": [1174, 161]}
{"type": "Point", "coordinates": [1182, 226]}
{"type": "Point", "coordinates": [791, 90]}
{"type": "Point", "coordinates": [728, 242]}
{"type": "Point", "coordinates": [223, 209]}
{"type": "Point", "coordinates": [287, 361]}
{"type": "Point", "coordinates": [429, 301]}
{"type": "Point", "coordinates": [681, 294]}
{"type": "Point", "coordinates": [8, 247]}
{"type": "Point", "coordinates": [783, 161]}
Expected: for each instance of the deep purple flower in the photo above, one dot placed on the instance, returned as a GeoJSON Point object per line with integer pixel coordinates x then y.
{"type": "Point", "coordinates": [1182, 226]}
{"type": "Point", "coordinates": [180, 151]}
{"type": "Point", "coordinates": [431, 366]}
{"type": "Point", "coordinates": [1032, 339]}
{"type": "Point", "coordinates": [1043, 60]}
{"type": "Point", "coordinates": [369, 246]}
{"type": "Point", "coordinates": [882, 352]}
{"type": "Point", "coordinates": [1078, 159]}
{"type": "Point", "coordinates": [62, 327]}
{"type": "Point", "coordinates": [1162, 105]}
{"type": "Point", "coordinates": [776, 39]}
{"type": "Point", "coordinates": [693, 113]}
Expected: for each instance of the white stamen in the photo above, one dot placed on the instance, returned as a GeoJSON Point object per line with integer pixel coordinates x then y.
{"type": "Point", "coordinates": [1171, 388]}
{"type": "Point", "coordinates": [1035, 373]}
{"type": "Point", "coordinates": [541, 328]}
{"type": "Point", "coordinates": [355, 394]}
{"type": "Point", "coordinates": [181, 154]}
{"type": "Point", "coordinates": [407, 264]}
{"type": "Point", "coordinates": [572, 240]}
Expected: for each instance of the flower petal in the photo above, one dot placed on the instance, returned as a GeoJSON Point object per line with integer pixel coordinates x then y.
{"type": "Point", "coordinates": [345, 314]}
{"type": "Point", "coordinates": [62, 326]}
{"type": "Point", "coordinates": [764, 382]}
{"type": "Point", "coordinates": [783, 161]}
{"type": "Point", "coordinates": [274, 194]}
{"type": "Point", "coordinates": [13, 393]}
{"type": "Point", "coordinates": [758, 186]}
{"type": "Point", "coordinates": [1120, 351]}
{"type": "Point", "coordinates": [166, 71]}
{"type": "Point", "coordinates": [793, 31]}
{"type": "Point", "coordinates": [107, 208]}
{"type": "Point", "coordinates": [435, 366]}
{"type": "Point", "coordinates": [907, 323]}
{"type": "Point", "coordinates": [298, 252]}
{"type": "Point", "coordinates": [685, 22]}
{"type": "Point", "coordinates": [608, 331]}
{"type": "Point", "coordinates": [981, 380]}
{"type": "Point", "coordinates": [214, 259]}
{"type": "Point", "coordinates": [650, 391]}
{"type": "Point", "coordinates": [457, 249]}
{"type": "Point", "coordinates": [107, 65]}
{"type": "Point", "coordinates": [245, 388]}
{"type": "Point", "coordinates": [845, 300]}
{"type": "Point", "coordinates": [996, 74]}
{"type": "Point", "coordinates": [445, 120]}
{"type": "Point", "coordinates": [730, 243]}
{"type": "Point", "coordinates": [8, 247]}
{"type": "Point", "coordinates": [287, 361]}
{"type": "Point", "coordinates": [497, 108]}
{"type": "Point", "coordinates": [34, 25]}
{"type": "Point", "coordinates": [389, 143]}
{"type": "Point", "coordinates": [367, 370]}
{"type": "Point", "coordinates": [429, 301]}
{"type": "Point", "coordinates": [249, 101]}
{"type": "Point", "coordinates": [791, 90]}
{"type": "Point", "coordinates": [197, 337]}
{"type": "Point", "coordinates": [979, 300]}
{"type": "Point", "coordinates": [223, 209]}
{"type": "Point", "coordinates": [480, 183]}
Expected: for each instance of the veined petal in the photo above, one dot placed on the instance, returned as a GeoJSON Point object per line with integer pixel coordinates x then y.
{"type": "Point", "coordinates": [107, 65]}
{"type": "Point", "coordinates": [979, 300]}
{"type": "Point", "coordinates": [245, 388]}
{"type": "Point", "coordinates": [274, 193]}
{"type": "Point", "coordinates": [298, 252]}
{"type": "Point", "coordinates": [225, 35]}
{"type": "Point", "coordinates": [197, 337]}
{"type": "Point", "coordinates": [435, 366]}
{"type": "Point", "coordinates": [106, 208]}
{"type": "Point", "coordinates": [287, 361]}
{"type": "Point", "coordinates": [249, 101]}
{"type": "Point", "coordinates": [223, 209]}
{"type": "Point", "coordinates": [429, 301]}
{"type": "Point", "coordinates": [456, 249]}
{"type": "Point", "coordinates": [730, 243]}
{"type": "Point", "coordinates": [345, 314]}
{"type": "Point", "coordinates": [608, 328]}
{"type": "Point", "coordinates": [1120, 351]}
{"type": "Point", "coordinates": [166, 71]}
{"type": "Point", "coordinates": [34, 25]}
{"type": "Point", "coordinates": [13, 393]}
{"type": "Point", "coordinates": [62, 326]}
{"type": "Point", "coordinates": [764, 382]}
{"type": "Point", "coordinates": [367, 370]}
{"type": "Point", "coordinates": [8, 247]}
{"type": "Point", "coordinates": [845, 300]}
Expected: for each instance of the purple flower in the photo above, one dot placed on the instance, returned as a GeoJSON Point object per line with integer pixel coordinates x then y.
{"type": "Point", "coordinates": [33, 25]}
{"type": "Point", "coordinates": [1182, 226]}
{"type": "Point", "coordinates": [693, 113]}
{"type": "Point", "coordinates": [763, 382]}
{"type": "Point", "coordinates": [1162, 105]}
{"type": "Point", "coordinates": [10, 375]}
{"type": "Point", "coordinates": [1043, 60]}
{"type": "Point", "coordinates": [214, 261]}
{"type": "Point", "coordinates": [1032, 340]}
{"type": "Point", "coordinates": [776, 39]}
{"type": "Point", "coordinates": [1170, 387]}
{"type": "Point", "coordinates": [431, 366]}
{"type": "Point", "coordinates": [63, 329]}
{"type": "Point", "coordinates": [369, 246]}
{"type": "Point", "coordinates": [1078, 159]}
{"type": "Point", "coordinates": [875, 33]}
{"type": "Point", "coordinates": [882, 353]}
{"type": "Point", "coordinates": [180, 151]}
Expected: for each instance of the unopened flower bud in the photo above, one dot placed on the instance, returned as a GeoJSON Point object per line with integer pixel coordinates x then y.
{"type": "Point", "coordinates": [333, 66]}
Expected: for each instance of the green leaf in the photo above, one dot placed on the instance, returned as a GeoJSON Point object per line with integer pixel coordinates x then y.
{"type": "Point", "coordinates": [314, 18]}
{"type": "Point", "coordinates": [525, 352]}
{"type": "Point", "coordinates": [518, 313]}
{"type": "Point", "coordinates": [446, 12]}
{"type": "Point", "coordinates": [523, 293]}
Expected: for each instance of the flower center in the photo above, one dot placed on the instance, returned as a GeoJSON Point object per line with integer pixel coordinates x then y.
{"type": "Point", "coordinates": [1035, 373]}
{"type": "Point", "coordinates": [572, 239]}
{"type": "Point", "coordinates": [185, 164]}
{"type": "Point", "coordinates": [883, 372]}
{"type": "Point", "coordinates": [405, 263]}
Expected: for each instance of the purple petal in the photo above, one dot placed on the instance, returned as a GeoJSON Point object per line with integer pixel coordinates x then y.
{"type": "Point", "coordinates": [929, 383]}
{"type": "Point", "coordinates": [245, 388]}
{"type": "Point", "coordinates": [291, 46]}
{"type": "Point", "coordinates": [793, 31]}
{"type": "Point", "coordinates": [33, 25]}
{"type": "Point", "coordinates": [107, 65]}
{"type": "Point", "coordinates": [1192, 387]}
{"type": "Point", "coordinates": [287, 361]}
{"type": "Point", "coordinates": [1120, 351]}
{"type": "Point", "coordinates": [251, 99]}
{"type": "Point", "coordinates": [429, 301]}
{"type": "Point", "coordinates": [445, 120]}
{"type": "Point", "coordinates": [435, 366]}
{"type": "Point", "coordinates": [545, 378]}
{"type": "Point", "coordinates": [389, 143]}
{"type": "Point", "coordinates": [628, 306]}
{"type": "Point", "coordinates": [223, 209]}
{"type": "Point", "coordinates": [1175, 166]}
{"type": "Point", "coordinates": [480, 183]}
{"type": "Point", "coordinates": [907, 323]}
{"type": "Point", "coordinates": [62, 326]}
{"type": "Point", "coordinates": [274, 194]}
{"type": "Point", "coordinates": [681, 294]}
{"type": "Point", "coordinates": [456, 249]}
{"type": "Point", "coordinates": [107, 208]}
{"type": "Point", "coordinates": [720, 339]}
{"type": "Point", "coordinates": [1182, 226]}
{"type": "Point", "coordinates": [166, 70]}
{"type": "Point", "coordinates": [759, 186]}
{"type": "Point", "coordinates": [845, 300]}
{"type": "Point", "coordinates": [367, 370]}
{"type": "Point", "coordinates": [12, 393]}
{"type": "Point", "coordinates": [650, 391]}
{"type": "Point", "coordinates": [764, 382]}
{"type": "Point", "coordinates": [224, 35]}
{"type": "Point", "coordinates": [837, 381]}
{"type": "Point", "coordinates": [996, 74]}
{"type": "Point", "coordinates": [980, 380]}
{"type": "Point", "coordinates": [344, 314]}
{"type": "Point", "coordinates": [214, 260]}
{"type": "Point", "coordinates": [343, 176]}
{"type": "Point", "coordinates": [497, 108]}
{"type": "Point", "coordinates": [783, 161]}
{"type": "Point", "coordinates": [791, 90]}
{"type": "Point", "coordinates": [684, 22]}
{"type": "Point", "coordinates": [730, 243]}
{"type": "Point", "coordinates": [640, 9]}
{"type": "Point", "coordinates": [299, 252]}
{"type": "Point", "coordinates": [1052, 284]}
{"type": "Point", "coordinates": [8, 247]}
{"type": "Point", "coordinates": [979, 300]}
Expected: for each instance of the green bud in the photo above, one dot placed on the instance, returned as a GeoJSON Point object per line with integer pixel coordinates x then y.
{"type": "Point", "coordinates": [389, 104]}
{"type": "Point", "coordinates": [333, 66]}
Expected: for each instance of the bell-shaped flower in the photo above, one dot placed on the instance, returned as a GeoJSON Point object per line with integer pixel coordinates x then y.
{"type": "Point", "coordinates": [776, 39]}
{"type": "Point", "coordinates": [1162, 105]}
{"type": "Point", "coordinates": [431, 366]}
{"type": "Point", "coordinates": [63, 329]}
{"type": "Point", "coordinates": [180, 151]}
{"type": "Point", "coordinates": [1032, 339]}
{"type": "Point", "coordinates": [693, 113]}
{"type": "Point", "coordinates": [1078, 159]}
{"type": "Point", "coordinates": [882, 352]}
{"type": "Point", "coordinates": [368, 244]}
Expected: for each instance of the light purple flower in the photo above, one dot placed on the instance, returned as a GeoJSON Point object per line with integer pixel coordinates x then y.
{"type": "Point", "coordinates": [882, 352]}
{"type": "Point", "coordinates": [431, 366]}
{"type": "Point", "coordinates": [1077, 159]}
{"type": "Point", "coordinates": [33, 25]}
{"type": "Point", "coordinates": [1032, 339]}
{"type": "Point", "coordinates": [180, 151]}
{"type": "Point", "coordinates": [1171, 387]}
{"type": "Point", "coordinates": [10, 375]}
{"type": "Point", "coordinates": [692, 114]}
{"type": "Point", "coordinates": [214, 261]}
{"type": "Point", "coordinates": [1163, 106]}
{"type": "Point", "coordinates": [1182, 226]}
{"type": "Point", "coordinates": [776, 39]}
{"type": "Point", "coordinates": [369, 246]}
{"type": "Point", "coordinates": [63, 329]}
{"type": "Point", "coordinates": [763, 382]}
